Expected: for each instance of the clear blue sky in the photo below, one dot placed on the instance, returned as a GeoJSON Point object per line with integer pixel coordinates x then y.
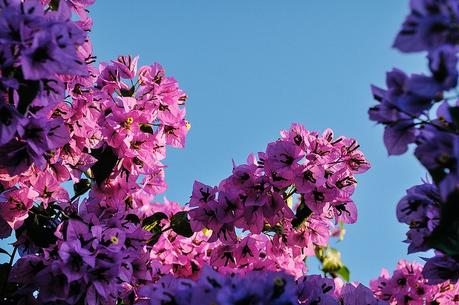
{"type": "Point", "coordinates": [253, 67]}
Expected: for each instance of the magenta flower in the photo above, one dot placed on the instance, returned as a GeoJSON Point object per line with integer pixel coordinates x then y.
{"type": "Point", "coordinates": [127, 66]}
{"type": "Point", "coordinates": [15, 205]}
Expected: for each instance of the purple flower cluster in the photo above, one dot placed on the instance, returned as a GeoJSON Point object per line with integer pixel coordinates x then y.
{"type": "Point", "coordinates": [97, 258]}
{"type": "Point", "coordinates": [257, 288]}
{"type": "Point", "coordinates": [108, 136]}
{"type": "Point", "coordinates": [424, 110]}
{"type": "Point", "coordinates": [104, 130]}
{"type": "Point", "coordinates": [315, 289]}
{"type": "Point", "coordinates": [408, 285]}
{"type": "Point", "coordinates": [420, 209]}
{"type": "Point", "coordinates": [318, 168]}
{"type": "Point", "coordinates": [39, 46]}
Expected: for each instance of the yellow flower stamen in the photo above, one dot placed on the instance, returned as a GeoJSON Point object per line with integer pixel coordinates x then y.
{"type": "Point", "coordinates": [127, 124]}
{"type": "Point", "coordinates": [114, 240]}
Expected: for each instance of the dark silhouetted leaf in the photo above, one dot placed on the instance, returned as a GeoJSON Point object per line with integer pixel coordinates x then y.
{"type": "Point", "coordinates": [4, 271]}
{"type": "Point", "coordinates": [54, 5]}
{"type": "Point", "coordinates": [82, 187]}
{"type": "Point", "coordinates": [133, 218]}
{"type": "Point", "coordinates": [153, 221]}
{"type": "Point", "coordinates": [106, 161]}
{"type": "Point", "coordinates": [437, 174]}
{"type": "Point", "coordinates": [445, 236]}
{"type": "Point", "coordinates": [146, 128]}
{"type": "Point", "coordinates": [28, 90]}
{"type": "Point", "coordinates": [454, 112]}
{"type": "Point", "coordinates": [153, 225]}
{"type": "Point", "coordinates": [127, 92]}
{"type": "Point", "coordinates": [302, 212]}
{"type": "Point", "coordinates": [181, 224]}
{"type": "Point", "coordinates": [39, 229]}
{"type": "Point", "coordinates": [155, 237]}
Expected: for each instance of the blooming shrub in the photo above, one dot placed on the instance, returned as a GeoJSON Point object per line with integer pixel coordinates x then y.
{"type": "Point", "coordinates": [104, 129]}
{"type": "Point", "coordinates": [407, 285]}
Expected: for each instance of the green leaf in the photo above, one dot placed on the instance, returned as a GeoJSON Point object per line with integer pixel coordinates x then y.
{"type": "Point", "coordinates": [146, 128]}
{"type": "Point", "coordinates": [152, 222]}
{"type": "Point", "coordinates": [344, 273]}
{"type": "Point", "coordinates": [332, 261]}
{"type": "Point", "coordinates": [319, 252]}
{"type": "Point", "coordinates": [127, 92]}
{"type": "Point", "coordinates": [132, 218]}
{"type": "Point", "coordinates": [342, 231]}
{"type": "Point", "coordinates": [155, 237]}
{"type": "Point", "coordinates": [181, 224]}
{"type": "Point", "coordinates": [54, 5]}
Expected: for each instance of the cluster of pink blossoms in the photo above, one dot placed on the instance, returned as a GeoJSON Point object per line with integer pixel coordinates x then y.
{"type": "Point", "coordinates": [184, 257]}
{"type": "Point", "coordinates": [175, 254]}
{"type": "Point", "coordinates": [103, 129]}
{"type": "Point", "coordinates": [112, 124]}
{"type": "Point", "coordinates": [408, 286]}
{"type": "Point", "coordinates": [317, 170]}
